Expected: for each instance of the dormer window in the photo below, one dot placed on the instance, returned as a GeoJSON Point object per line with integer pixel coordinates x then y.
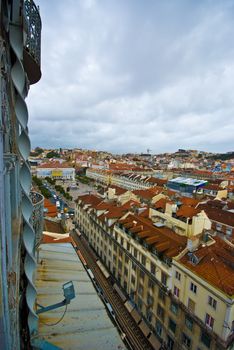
{"type": "Point", "coordinates": [193, 258]}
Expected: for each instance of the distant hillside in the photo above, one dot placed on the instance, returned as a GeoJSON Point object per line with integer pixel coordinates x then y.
{"type": "Point", "coordinates": [222, 156]}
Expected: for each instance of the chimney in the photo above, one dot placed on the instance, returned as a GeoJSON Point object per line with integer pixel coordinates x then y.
{"type": "Point", "coordinates": [192, 244]}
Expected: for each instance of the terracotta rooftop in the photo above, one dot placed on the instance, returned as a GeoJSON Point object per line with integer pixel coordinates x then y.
{"type": "Point", "coordinates": [51, 208]}
{"type": "Point", "coordinates": [215, 265]}
{"type": "Point", "coordinates": [130, 204]}
{"type": "Point", "coordinates": [54, 165]}
{"type": "Point", "coordinates": [90, 199]}
{"type": "Point", "coordinates": [192, 202]}
{"type": "Point", "coordinates": [52, 226]}
{"type": "Point", "coordinates": [162, 239]}
{"type": "Point", "coordinates": [161, 203]}
{"type": "Point", "coordinates": [214, 187]}
{"type": "Point", "coordinates": [118, 190]}
{"type": "Point", "coordinates": [187, 212]}
{"type": "Point", "coordinates": [219, 215]}
{"type": "Point", "coordinates": [116, 212]}
{"type": "Point", "coordinates": [148, 194]}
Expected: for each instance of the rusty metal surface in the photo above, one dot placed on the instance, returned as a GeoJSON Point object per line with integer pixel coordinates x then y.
{"type": "Point", "coordinates": [86, 324]}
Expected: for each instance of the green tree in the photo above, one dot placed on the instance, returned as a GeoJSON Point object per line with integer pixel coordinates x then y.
{"type": "Point", "coordinates": [52, 154]}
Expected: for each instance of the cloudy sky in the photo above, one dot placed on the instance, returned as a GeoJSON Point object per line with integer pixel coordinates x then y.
{"type": "Point", "coordinates": [128, 75]}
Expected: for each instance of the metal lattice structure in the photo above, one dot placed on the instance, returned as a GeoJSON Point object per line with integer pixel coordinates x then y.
{"type": "Point", "coordinates": [21, 212]}
{"type": "Point", "coordinates": [37, 216]}
{"type": "Point", "coordinates": [33, 28]}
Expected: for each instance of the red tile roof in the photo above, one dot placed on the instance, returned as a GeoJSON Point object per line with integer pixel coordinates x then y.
{"type": "Point", "coordinates": [161, 203]}
{"type": "Point", "coordinates": [219, 215]}
{"type": "Point", "coordinates": [215, 265]}
{"type": "Point", "coordinates": [187, 212]}
{"type": "Point", "coordinates": [51, 208]}
{"type": "Point", "coordinates": [52, 165]}
{"type": "Point", "coordinates": [192, 202]}
{"type": "Point", "coordinates": [148, 194]}
{"type": "Point", "coordinates": [118, 190]}
{"type": "Point", "coordinates": [52, 226]}
{"type": "Point", "coordinates": [90, 199]}
{"type": "Point", "coordinates": [163, 239]}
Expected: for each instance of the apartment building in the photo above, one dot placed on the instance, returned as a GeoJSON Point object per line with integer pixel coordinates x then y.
{"type": "Point", "coordinates": [129, 181]}
{"type": "Point", "coordinates": [203, 285]}
{"type": "Point", "coordinates": [55, 170]}
{"type": "Point", "coordinates": [146, 259]}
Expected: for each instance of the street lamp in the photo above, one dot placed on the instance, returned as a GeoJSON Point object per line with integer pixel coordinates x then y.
{"type": "Point", "coordinates": [69, 294]}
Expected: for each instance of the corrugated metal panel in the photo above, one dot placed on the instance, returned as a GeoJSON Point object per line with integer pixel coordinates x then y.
{"type": "Point", "coordinates": [86, 324]}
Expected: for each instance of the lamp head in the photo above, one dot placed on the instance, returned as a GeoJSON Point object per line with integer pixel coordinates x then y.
{"type": "Point", "coordinates": [69, 291]}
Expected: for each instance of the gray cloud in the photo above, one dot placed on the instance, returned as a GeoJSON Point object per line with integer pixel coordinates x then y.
{"type": "Point", "coordinates": [130, 75]}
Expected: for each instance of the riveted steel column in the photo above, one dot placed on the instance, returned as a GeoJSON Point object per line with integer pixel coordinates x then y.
{"type": "Point", "coordinates": [5, 338]}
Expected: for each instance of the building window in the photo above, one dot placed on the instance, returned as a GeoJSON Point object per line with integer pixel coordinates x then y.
{"type": "Point", "coordinates": [212, 302]}
{"type": "Point", "coordinates": [174, 308]}
{"type": "Point", "coordinates": [160, 312]}
{"type": "Point", "coordinates": [191, 305]}
{"type": "Point", "coordinates": [125, 271]}
{"type": "Point", "coordinates": [189, 323]}
{"type": "Point", "coordinates": [172, 325]}
{"type": "Point", "coordinates": [161, 295]}
{"type": "Point", "coordinates": [139, 304]}
{"type": "Point", "coordinates": [143, 260]}
{"type": "Point", "coordinates": [128, 246]}
{"type": "Point", "coordinates": [164, 279]}
{"type": "Point", "coordinates": [170, 343]}
{"type": "Point", "coordinates": [150, 300]}
{"type": "Point", "coordinates": [126, 259]}
{"type": "Point", "coordinates": [205, 339]}
{"type": "Point", "coordinates": [177, 275]}
{"type": "Point", "coordinates": [186, 341]}
{"type": "Point", "coordinates": [176, 292]}
{"type": "Point", "coordinates": [135, 252]}
{"type": "Point", "coordinates": [133, 280]}
{"type": "Point", "coordinates": [218, 227]}
{"type": "Point", "coordinates": [122, 241]}
{"type": "Point", "coordinates": [140, 289]}
{"type": "Point", "coordinates": [209, 321]}
{"type": "Point", "coordinates": [142, 274]}
{"type": "Point", "coordinates": [149, 315]}
{"type": "Point", "coordinates": [120, 253]}
{"type": "Point", "coordinates": [134, 266]}
{"type": "Point", "coordinates": [150, 284]}
{"type": "Point", "coordinates": [229, 231]}
{"type": "Point", "coordinates": [152, 268]}
{"type": "Point", "coordinates": [193, 287]}
{"type": "Point", "coordinates": [158, 327]}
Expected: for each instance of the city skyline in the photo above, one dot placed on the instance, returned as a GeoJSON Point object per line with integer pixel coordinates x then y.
{"type": "Point", "coordinates": [124, 77]}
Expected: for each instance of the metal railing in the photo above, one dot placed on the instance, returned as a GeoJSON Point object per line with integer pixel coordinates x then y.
{"type": "Point", "coordinates": [37, 215]}
{"type": "Point", "coordinates": [32, 24]}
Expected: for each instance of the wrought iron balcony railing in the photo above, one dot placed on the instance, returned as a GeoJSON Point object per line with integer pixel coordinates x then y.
{"type": "Point", "coordinates": [37, 215]}
{"type": "Point", "coordinates": [32, 47]}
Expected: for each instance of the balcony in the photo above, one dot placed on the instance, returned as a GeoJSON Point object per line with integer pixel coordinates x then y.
{"type": "Point", "coordinates": [37, 215]}
{"type": "Point", "coordinates": [32, 47]}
